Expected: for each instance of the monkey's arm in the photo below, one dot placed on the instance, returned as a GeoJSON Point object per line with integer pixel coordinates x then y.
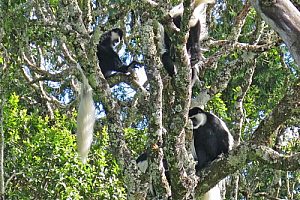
{"type": "Point", "coordinates": [193, 46]}
{"type": "Point", "coordinates": [110, 61]}
{"type": "Point", "coordinates": [124, 68]}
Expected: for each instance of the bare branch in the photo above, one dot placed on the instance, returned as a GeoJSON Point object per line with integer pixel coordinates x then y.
{"type": "Point", "coordinates": [239, 22]}
{"type": "Point", "coordinates": [288, 106]}
{"type": "Point", "coordinates": [239, 110]}
{"type": "Point", "coordinates": [39, 88]}
{"type": "Point", "coordinates": [11, 177]}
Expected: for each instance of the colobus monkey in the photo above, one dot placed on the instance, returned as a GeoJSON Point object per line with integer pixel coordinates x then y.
{"type": "Point", "coordinates": [142, 164]}
{"type": "Point", "coordinates": [109, 60]}
{"type": "Point", "coordinates": [85, 119]}
{"type": "Point", "coordinates": [211, 138]}
{"type": "Point", "coordinates": [192, 45]}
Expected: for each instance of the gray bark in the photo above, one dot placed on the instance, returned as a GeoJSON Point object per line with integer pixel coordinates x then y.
{"type": "Point", "coordinates": [2, 187]}
{"type": "Point", "coordinates": [284, 18]}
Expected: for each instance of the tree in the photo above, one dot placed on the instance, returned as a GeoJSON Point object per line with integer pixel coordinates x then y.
{"type": "Point", "coordinates": [249, 76]}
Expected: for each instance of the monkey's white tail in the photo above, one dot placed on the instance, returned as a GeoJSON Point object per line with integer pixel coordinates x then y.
{"type": "Point", "coordinates": [85, 119]}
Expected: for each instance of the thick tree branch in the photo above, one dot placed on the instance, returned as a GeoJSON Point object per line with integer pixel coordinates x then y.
{"type": "Point", "coordinates": [284, 18]}
{"type": "Point", "coordinates": [128, 79]}
{"type": "Point", "coordinates": [2, 138]}
{"type": "Point", "coordinates": [239, 157]}
{"type": "Point", "coordinates": [155, 112]}
{"type": "Point", "coordinates": [181, 166]}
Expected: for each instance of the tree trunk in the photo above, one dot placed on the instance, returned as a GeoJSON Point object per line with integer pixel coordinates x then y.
{"type": "Point", "coordinates": [2, 189]}
{"type": "Point", "coordinates": [284, 18]}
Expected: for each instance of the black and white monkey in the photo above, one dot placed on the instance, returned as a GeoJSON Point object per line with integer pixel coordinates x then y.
{"type": "Point", "coordinates": [211, 138]}
{"type": "Point", "coordinates": [109, 60]}
{"type": "Point", "coordinates": [85, 119]}
{"type": "Point", "coordinates": [192, 45]}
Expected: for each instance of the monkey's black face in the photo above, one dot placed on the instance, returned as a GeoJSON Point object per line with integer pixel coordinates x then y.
{"type": "Point", "coordinates": [118, 32]}
{"type": "Point", "coordinates": [198, 117]}
{"type": "Point", "coordinates": [194, 121]}
{"type": "Point", "coordinates": [194, 111]}
{"type": "Point", "coordinates": [116, 36]}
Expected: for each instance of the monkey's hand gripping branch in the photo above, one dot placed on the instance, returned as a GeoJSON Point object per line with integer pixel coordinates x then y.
{"type": "Point", "coordinates": [85, 119]}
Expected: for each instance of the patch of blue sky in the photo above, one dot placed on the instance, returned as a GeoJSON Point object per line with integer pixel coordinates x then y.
{"type": "Point", "coordinates": [289, 60]}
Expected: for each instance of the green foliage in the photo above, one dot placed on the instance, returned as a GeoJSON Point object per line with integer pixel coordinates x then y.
{"type": "Point", "coordinates": [53, 3]}
{"type": "Point", "coordinates": [136, 140]}
{"type": "Point", "coordinates": [218, 106]}
{"type": "Point", "coordinates": [41, 158]}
